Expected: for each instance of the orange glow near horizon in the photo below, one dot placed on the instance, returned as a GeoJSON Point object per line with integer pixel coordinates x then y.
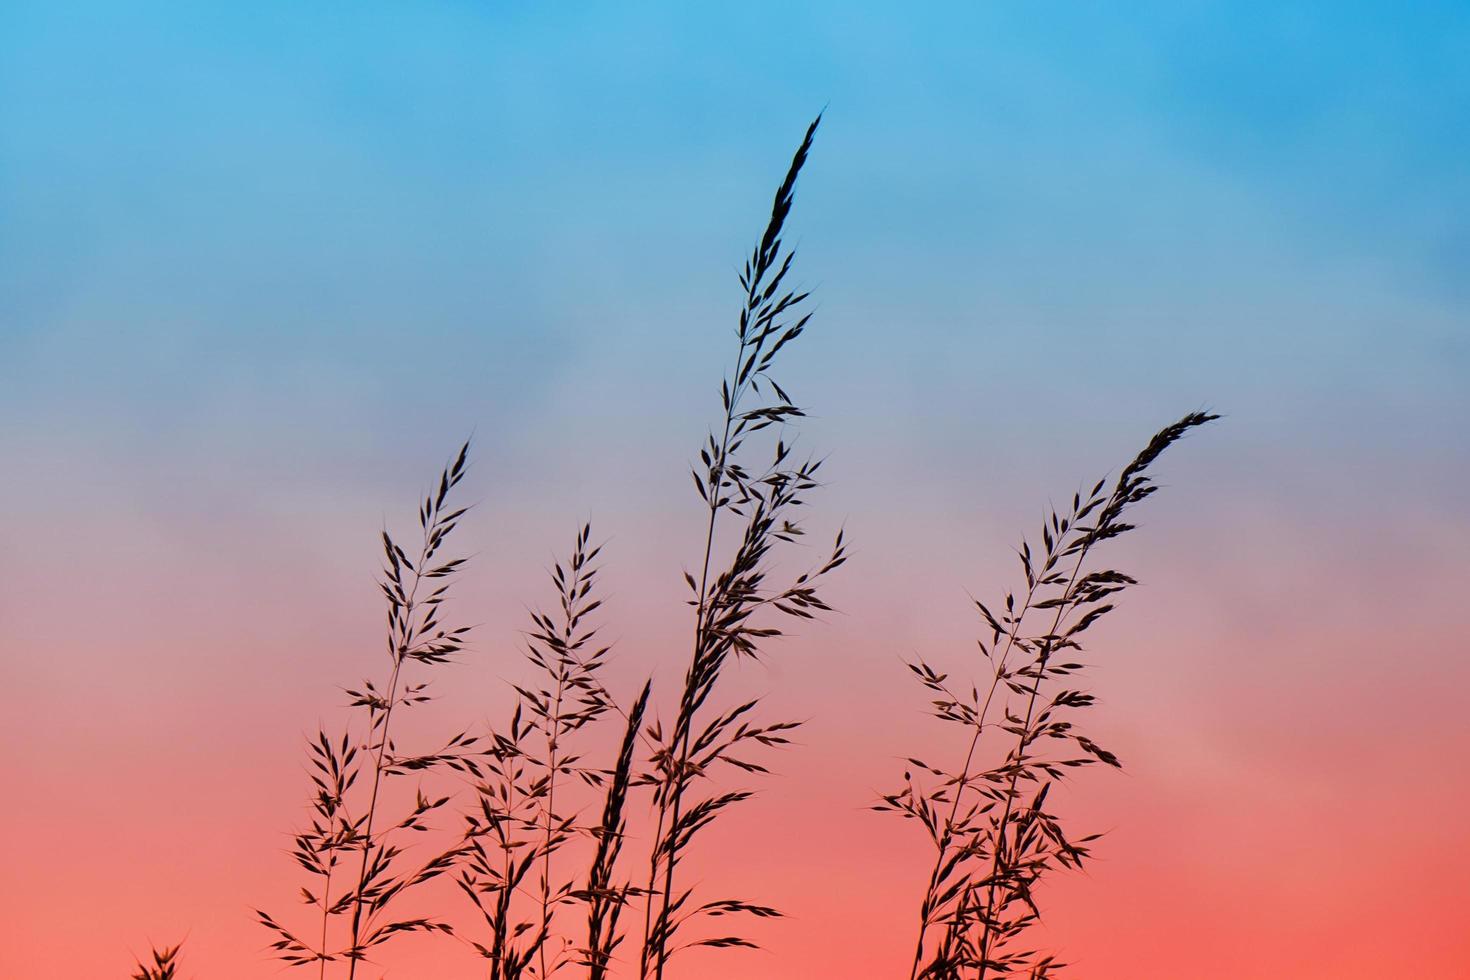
{"type": "Point", "coordinates": [1255, 831]}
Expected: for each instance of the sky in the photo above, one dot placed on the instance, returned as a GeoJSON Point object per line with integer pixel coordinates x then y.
{"type": "Point", "coordinates": [264, 266]}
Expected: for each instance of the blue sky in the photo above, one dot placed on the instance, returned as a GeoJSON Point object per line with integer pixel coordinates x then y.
{"type": "Point", "coordinates": [338, 225]}
{"type": "Point", "coordinates": [305, 248]}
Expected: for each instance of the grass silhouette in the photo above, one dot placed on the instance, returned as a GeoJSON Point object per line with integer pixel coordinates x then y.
{"type": "Point", "coordinates": [164, 965]}
{"type": "Point", "coordinates": [994, 839]}
{"type": "Point", "coordinates": [348, 832]}
{"type": "Point", "coordinates": [571, 849]}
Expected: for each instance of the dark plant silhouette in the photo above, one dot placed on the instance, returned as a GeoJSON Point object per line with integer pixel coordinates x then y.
{"type": "Point", "coordinates": [514, 866]}
{"type": "Point", "coordinates": [761, 504]}
{"type": "Point", "coordinates": [529, 774]}
{"type": "Point", "coordinates": [605, 895]}
{"type": "Point", "coordinates": [165, 965]}
{"type": "Point", "coordinates": [993, 836]}
{"type": "Point", "coordinates": [554, 796]}
{"type": "Point", "coordinates": [518, 827]}
{"type": "Point", "coordinates": [347, 836]}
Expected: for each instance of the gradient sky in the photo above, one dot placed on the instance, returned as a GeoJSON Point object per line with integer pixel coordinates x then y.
{"type": "Point", "coordinates": [263, 265]}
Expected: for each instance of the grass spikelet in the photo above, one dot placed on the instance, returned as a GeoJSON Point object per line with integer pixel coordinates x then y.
{"type": "Point", "coordinates": [164, 965]}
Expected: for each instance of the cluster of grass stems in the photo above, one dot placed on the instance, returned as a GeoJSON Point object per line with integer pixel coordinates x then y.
{"type": "Point", "coordinates": [567, 832]}
{"type": "Point", "coordinates": [541, 854]}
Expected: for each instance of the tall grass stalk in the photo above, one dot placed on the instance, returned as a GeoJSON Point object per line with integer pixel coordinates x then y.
{"type": "Point", "coordinates": [993, 835]}
{"type": "Point", "coordinates": [761, 503]}
{"type": "Point", "coordinates": [604, 895]}
{"type": "Point", "coordinates": [347, 829]}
